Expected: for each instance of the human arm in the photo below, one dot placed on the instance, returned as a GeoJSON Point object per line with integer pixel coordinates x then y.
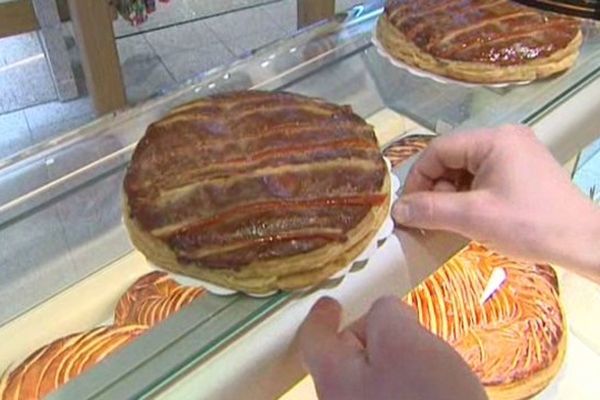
{"type": "Point", "coordinates": [503, 188]}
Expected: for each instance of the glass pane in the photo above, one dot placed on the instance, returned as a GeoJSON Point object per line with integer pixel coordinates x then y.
{"type": "Point", "coordinates": [183, 11]}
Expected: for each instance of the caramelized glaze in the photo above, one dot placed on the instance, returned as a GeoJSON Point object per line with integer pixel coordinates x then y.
{"type": "Point", "coordinates": [55, 364]}
{"type": "Point", "coordinates": [514, 334]}
{"type": "Point", "coordinates": [249, 176]}
{"type": "Point", "coordinates": [499, 32]}
{"type": "Point", "coordinates": [403, 148]}
{"type": "Point", "coordinates": [153, 298]}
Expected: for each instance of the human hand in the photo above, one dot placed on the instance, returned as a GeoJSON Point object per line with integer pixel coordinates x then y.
{"type": "Point", "coordinates": [387, 354]}
{"type": "Point", "coordinates": [503, 188]}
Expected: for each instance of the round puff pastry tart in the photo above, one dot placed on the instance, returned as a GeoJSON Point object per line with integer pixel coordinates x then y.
{"type": "Point", "coordinates": [55, 364]}
{"type": "Point", "coordinates": [479, 41]}
{"type": "Point", "coordinates": [256, 191]}
{"type": "Point", "coordinates": [153, 298]}
{"type": "Point", "coordinates": [515, 339]}
{"type": "Point", "coordinates": [400, 150]}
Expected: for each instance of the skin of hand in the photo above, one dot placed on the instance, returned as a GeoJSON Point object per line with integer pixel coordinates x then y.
{"type": "Point", "coordinates": [503, 188]}
{"type": "Point", "coordinates": [386, 354]}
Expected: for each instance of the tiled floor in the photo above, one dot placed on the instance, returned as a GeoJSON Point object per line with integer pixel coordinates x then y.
{"type": "Point", "coordinates": [24, 75]}
{"type": "Point", "coordinates": [15, 133]}
{"type": "Point", "coordinates": [152, 57]}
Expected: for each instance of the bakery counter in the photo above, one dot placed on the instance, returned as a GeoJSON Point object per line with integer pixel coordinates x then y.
{"type": "Point", "coordinates": [67, 265]}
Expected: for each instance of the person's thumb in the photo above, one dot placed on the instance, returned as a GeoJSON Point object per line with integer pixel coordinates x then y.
{"type": "Point", "coordinates": [328, 358]}
{"type": "Point", "coordinates": [452, 211]}
{"type": "Point", "coordinates": [318, 336]}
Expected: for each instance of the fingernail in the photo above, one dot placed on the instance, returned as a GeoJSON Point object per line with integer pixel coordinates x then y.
{"type": "Point", "coordinates": [400, 212]}
{"type": "Point", "coordinates": [324, 304]}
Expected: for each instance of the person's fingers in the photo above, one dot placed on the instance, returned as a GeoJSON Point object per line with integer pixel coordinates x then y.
{"type": "Point", "coordinates": [319, 331]}
{"type": "Point", "coordinates": [319, 339]}
{"type": "Point", "coordinates": [385, 322]}
{"type": "Point", "coordinates": [350, 339]}
{"type": "Point", "coordinates": [441, 210]}
{"type": "Point", "coordinates": [332, 358]}
{"type": "Point", "coordinates": [465, 151]}
{"type": "Point", "coordinates": [444, 186]}
{"type": "Point", "coordinates": [394, 333]}
{"type": "Point", "coordinates": [359, 330]}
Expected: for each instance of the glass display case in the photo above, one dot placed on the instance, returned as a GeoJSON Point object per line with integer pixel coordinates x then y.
{"type": "Point", "coordinates": [185, 12]}
{"type": "Point", "coordinates": [65, 258]}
